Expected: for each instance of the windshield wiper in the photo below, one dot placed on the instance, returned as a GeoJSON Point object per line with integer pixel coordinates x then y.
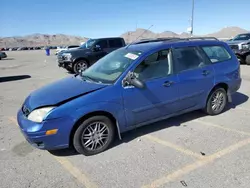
{"type": "Point", "coordinates": [91, 79]}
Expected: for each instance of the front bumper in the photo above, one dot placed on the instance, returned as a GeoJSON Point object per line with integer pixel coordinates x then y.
{"type": "Point", "coordinates": [241, 52]}
{"type": "Point", "coordinates": [35, 133]}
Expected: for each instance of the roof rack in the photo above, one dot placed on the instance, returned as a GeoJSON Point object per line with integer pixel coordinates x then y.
{"type": "Point", "coordinates": [156, 40]}
{"type": "Point", "coordinates": [141, 41]}
{"type": "Point", "coordinates": [200, 38]}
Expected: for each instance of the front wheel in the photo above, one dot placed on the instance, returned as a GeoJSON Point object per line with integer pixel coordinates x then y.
{"type": "Point", "coordinates": [216, 102]}
{"type": "Point", "coordinates": [241, 60]}
{"type": "Point", "coordinates": [94, 135]}
{"type": "Point", "coordinates": [248, 59]}
{"type": "Point", "coordinates": [80, 65]}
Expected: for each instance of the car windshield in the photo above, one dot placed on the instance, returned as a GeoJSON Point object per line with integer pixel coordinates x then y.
{"type": "Point", "coordinates": [88, 44]}
{"type": "Point", "coordinates": [108, 69]}
{"type": "Point", "coordinates": [242, 37]}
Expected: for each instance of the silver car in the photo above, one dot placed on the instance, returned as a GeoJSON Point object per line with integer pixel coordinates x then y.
{"type": "Point", "coordinates": [240, 44]}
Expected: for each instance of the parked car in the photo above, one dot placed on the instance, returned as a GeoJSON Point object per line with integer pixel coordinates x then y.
{"type": "Point", "coordinates": [130, 87]}
{"type": "Point", "coordinates": [3, 55]}
{"type": "Point", "coordinates": [58, 50]}
{"type": "Point", "coordinates": [240, 44]}
{"type": "Point", "coordinates": [88, 53]}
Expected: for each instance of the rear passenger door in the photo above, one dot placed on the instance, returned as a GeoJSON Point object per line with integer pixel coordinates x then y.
{"type": "Point", "coordinates": [196, 76]}
{"type": "Point", "coordinates": [115, 44]}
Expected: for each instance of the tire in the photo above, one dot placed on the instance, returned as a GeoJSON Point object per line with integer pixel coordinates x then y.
{"type": "Point", "coordinates": [221, 101]}
{"type": "Point", "coordinates": [70, 70]}
{"type": "Point", "coordinates": [86, 146]}
{"type": "Point", "coordinates": [0, 58]}
{"type": "Point", "coordinates": [241, 60]}
{"type": "Point", "coordinates": [80, 64]}
{"type": "Point", "coordinates": [248, 59]}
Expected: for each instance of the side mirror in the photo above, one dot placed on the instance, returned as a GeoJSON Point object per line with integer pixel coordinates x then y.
{"type": "Point", "coordinates": [132, 80]}
{"type": "Point", "coordinates": [97, 48]}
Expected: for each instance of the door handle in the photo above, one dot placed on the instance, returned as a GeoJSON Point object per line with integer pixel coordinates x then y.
{"type": "Point", "coordinates": [205, 72]}
{"type": "Point", "coordinates": [168, 83]}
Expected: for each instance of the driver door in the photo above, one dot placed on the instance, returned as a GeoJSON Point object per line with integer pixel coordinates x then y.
{"type": "Point", "coordinates": [96, 55]}
{"type": "Point", "coordinates": [159, 97]}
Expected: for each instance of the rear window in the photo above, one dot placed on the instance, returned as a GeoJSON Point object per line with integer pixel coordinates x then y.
{"type": "Point", "coordinates": [216, 53]}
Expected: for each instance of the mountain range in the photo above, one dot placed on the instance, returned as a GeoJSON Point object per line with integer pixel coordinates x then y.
{"type": "Point", "coordinates": [129, 36]}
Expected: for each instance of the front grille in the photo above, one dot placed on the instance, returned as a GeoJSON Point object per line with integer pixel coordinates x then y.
{"type": "Point", "coordinates": [25, 110]}
{"type": "Point", "coordinates": [234, 47]}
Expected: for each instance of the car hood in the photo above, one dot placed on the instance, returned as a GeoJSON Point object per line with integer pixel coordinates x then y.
{"type": "Point", "coordinates": [61, 92]}
{"type": "Point", "coordinates": [236, 42]}
{"type": "Point", "coordinates": [76, 50]}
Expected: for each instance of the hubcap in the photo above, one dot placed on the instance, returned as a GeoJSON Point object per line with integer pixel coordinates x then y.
{"type": "Point", "coordinates": [95, 136]}
{"type": "Point", "coordinates": [81, 66]}
{"type": "Point", "coordinates": [218, 101]}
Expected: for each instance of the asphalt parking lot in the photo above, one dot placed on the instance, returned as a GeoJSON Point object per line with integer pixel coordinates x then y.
{"type": "Point", "coordinates": [191, 150]}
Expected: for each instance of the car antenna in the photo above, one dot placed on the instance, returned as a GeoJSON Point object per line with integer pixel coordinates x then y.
{"type": "Point", "coordinates": [138, 37]}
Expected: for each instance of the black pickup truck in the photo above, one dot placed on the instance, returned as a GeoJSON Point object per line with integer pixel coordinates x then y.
{"type": "Point", "coordinates": [87, 54]}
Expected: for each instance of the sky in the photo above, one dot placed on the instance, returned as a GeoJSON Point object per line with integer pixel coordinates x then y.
{"type": "Point", "coordinates": [104, 18]}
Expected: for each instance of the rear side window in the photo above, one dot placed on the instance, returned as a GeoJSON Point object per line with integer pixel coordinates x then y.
{"type": "Point", "coordinates": [115, 43]}
{"type": "Point", "coordinates": [216, 53]}
{"type": "Point", "coordinates": [188, 58]}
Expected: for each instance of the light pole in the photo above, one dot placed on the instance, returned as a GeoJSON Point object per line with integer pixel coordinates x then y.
{"type": "Point", "coordinates": [192, 19]}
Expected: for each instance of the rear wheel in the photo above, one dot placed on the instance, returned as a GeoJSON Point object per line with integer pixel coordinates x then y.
{"type": "Point", "coordinates": [216, 102]}
{"type": "Point", "coordinates": [94, 135]}
{"type": "Point", "coordinates": [80, 65]}
{"type": "Point", "coordinates": [248, 59]}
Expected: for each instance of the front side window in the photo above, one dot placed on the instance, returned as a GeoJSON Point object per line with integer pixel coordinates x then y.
{"type": "Point", "coordinates": [156, 65]}
{"type": "Point", "coordinates": [110, 67]}
{"type": "Point", "coordinates": [216, 53]}
{"type": "Point", "coordinates": [88, 44]}
{"type": "Point", "coordinates": [188, 58]}
{"type": "Point", "coordinates": [102, 43]}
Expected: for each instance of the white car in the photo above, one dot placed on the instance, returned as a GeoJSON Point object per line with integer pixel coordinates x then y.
{"type": "Point", "coordinates": [59, 49]}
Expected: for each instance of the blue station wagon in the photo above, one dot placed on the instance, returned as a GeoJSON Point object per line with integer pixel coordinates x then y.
{"type": "Point", "coordinates": [135, 85]}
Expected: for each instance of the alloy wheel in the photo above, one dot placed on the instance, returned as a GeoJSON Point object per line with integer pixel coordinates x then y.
{"type": "Point", "coordinates": [218, 101]}
{"type": "Point", "coordinates": [95, 136]}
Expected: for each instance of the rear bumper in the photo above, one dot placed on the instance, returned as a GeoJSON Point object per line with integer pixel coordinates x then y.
{"type": "Point", "coordinates": [235, 85]}
{"type": "Point", "coordinates": [35, 133]}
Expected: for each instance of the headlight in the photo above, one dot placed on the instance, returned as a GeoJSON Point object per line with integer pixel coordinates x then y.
{"type": "Point", "coordinates": [67, 55]}
{"type": "Point", "coordinates": [245, 46]}
{"type": "Point", "coordinates": [38, 115]}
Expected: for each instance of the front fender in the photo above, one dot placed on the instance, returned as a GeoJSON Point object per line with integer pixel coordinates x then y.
{"type": "Point", "coordinates": [115, 109]}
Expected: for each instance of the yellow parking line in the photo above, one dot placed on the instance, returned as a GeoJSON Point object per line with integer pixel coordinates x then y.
{"type": "Point", "coordinates": [75, 172]}
{"type": "Point", "coordinates": [222, 127]}
{"type": "Point", "coordinates": [173, 146]}
{"type": "Point", "coordinates": [198, 164]}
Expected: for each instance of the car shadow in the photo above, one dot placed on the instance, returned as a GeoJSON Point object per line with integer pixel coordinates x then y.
{"type": "Point", "coordinates": [8, 58]}
{"type": "Point", "coordinates": [14, 78]}
{"type": "Point", "coordinates": [238, 99]}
